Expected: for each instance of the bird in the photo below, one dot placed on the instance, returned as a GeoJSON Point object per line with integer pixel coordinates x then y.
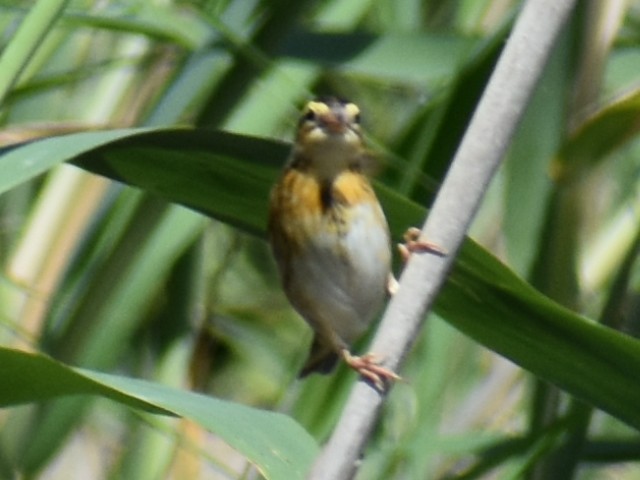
{"type": "Point", "coordinates": [330, 238]}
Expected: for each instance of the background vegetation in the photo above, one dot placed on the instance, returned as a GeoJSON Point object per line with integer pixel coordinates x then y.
{"type": "Point", "coordinates": [122, 280]}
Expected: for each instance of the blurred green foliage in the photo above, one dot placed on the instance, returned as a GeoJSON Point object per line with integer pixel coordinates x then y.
{"type": "Point", "coordinates": [103, 276]}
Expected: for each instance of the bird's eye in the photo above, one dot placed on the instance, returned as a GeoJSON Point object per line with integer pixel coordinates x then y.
{"type": "Point", "coordinates": [356, 118]}
{"type": "Point", "coordinates": [309, 116]}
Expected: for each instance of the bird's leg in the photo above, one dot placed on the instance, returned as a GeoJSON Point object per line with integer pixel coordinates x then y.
{"type": "Point", "coordinates": [413, 244]}
{"type": "Point", "coordinates": [370, 369]}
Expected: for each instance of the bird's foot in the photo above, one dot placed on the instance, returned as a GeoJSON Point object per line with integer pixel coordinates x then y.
{"type": "Point", "coordinates": [369, 368]}
{"type": "Point", "coordinates": [413, 244]}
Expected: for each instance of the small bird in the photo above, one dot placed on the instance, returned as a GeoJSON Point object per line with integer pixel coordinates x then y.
{"type": "Point", "coordinates": [330, 237]}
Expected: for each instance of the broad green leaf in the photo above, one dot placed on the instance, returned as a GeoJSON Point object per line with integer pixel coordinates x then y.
{"type": "Point", "coordinates": [228, 177]}
{"type": "Point", "coordinates": [227, 189]}
{"type": "Point", "coordinates": [32, 159]}
{"type": "Point", "coordinates": [278, 447]}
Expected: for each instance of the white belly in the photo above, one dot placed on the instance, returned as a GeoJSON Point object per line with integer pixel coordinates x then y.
{"type": "Point", "coordinates": [339, 281]}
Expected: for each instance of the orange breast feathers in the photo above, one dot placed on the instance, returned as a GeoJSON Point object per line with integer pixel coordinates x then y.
{"type": "Point", "coordinates": [300, 201]}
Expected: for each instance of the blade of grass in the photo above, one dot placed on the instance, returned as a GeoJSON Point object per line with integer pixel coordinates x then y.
{"type": "Point", "coordinates": [36, 25]}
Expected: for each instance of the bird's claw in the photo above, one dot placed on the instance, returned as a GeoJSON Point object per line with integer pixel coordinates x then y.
{"type": "Point", "coordinates": [413, 244]}
{"type": "Point", "coordinates": [369, 368]}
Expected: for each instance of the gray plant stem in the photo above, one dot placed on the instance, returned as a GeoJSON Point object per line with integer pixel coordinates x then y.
{"type": "Point", "coordinates": [482, 148]}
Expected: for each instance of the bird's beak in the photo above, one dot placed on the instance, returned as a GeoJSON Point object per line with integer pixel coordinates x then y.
{"type": "Point", "coordinates": [334, 122]}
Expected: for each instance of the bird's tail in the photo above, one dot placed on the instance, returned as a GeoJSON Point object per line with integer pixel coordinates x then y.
{"type": "Point", "coordinates": [321, 359]}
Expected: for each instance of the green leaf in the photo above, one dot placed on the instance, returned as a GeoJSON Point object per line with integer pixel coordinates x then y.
{"type": "Point", "coordinates": [200, 169]}
{"type": "Point", "coordinates": [228, 177]}
{"type": "Point", "coordinates": [278, 446]}
{"type": "Point", "coordinates": [32, 159]}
